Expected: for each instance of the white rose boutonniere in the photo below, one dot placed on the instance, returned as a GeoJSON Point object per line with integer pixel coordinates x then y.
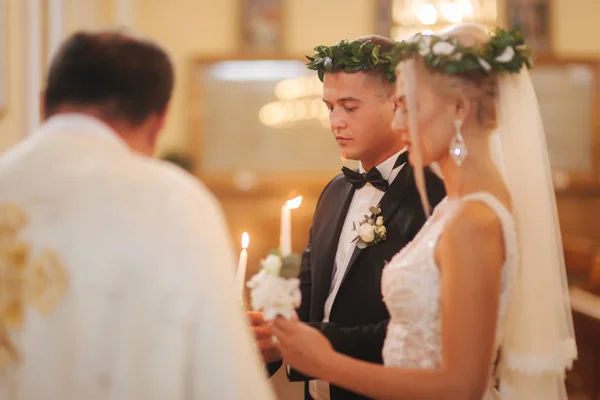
{"type": "Point", "coordinates": [366, 233]}
{"type": "Point", "coordinates": [275, 289]}
{"type": "Point", "coordinates": [371, 230]}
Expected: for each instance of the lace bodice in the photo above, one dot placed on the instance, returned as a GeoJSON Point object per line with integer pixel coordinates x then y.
{"type": "Point", "coordinates": [411, 288]}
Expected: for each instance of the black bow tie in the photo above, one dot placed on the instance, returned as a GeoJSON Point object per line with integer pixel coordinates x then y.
{"type": "Point", "coordinates": [373, 177]}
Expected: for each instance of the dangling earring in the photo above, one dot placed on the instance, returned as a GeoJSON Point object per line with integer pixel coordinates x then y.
{"type": "Point", "coordinates": [458, 147]}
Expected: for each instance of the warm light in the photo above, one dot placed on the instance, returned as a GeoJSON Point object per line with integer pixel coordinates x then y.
{"type": "Point", "coordinates": [300, 110]}
{"type": "Point", "coordinates": [427, 14]}
{"type": "Point", "coordinates": [300, 87]}
{"type": "Point", "coordinates": [451, 11]}
{"type": "Point", "coordinates": [280, 113]}
{"type": "Point", "coordinates": [399, 12]}
{"type": "Point", "coordinates": [256, 70]}
{"type": "Point", "coordinates": [413, 16]}
{"type": "Point", "coordinates": [466, 9]}
{"type": "Point", "coordinates": [294, 203]}
{"type": "Point", "coordinates": [245, 240]}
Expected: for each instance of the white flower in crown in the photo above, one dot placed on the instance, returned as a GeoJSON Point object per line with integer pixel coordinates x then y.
{"type": "Point", "coordinates": [370, 230]}
{"type": "Point", "coordinates": [425, 46]}
{"type": "Point", "coordinates": [507, 55]}
{"type": "Point", "coordinates": [484, 64]}
{"type": "Point", "coordinates": [443, 48]}
{"type": "Point", "coordinates": [413, 39]}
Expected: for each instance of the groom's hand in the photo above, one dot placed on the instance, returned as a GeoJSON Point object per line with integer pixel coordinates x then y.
{"type": "Point", "coordinates": [263, 337]}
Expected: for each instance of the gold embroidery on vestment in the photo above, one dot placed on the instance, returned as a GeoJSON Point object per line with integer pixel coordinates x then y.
{"type": "Point", "coordinates": [40, 283]}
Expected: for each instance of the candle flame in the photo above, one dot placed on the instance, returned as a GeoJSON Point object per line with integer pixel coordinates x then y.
{"type": "Point", "coordinates": [245, 240]}
{"type": "Point", "coordinates": [294, 203]}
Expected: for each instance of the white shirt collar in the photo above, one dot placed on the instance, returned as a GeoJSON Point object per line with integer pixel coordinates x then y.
{"type": "Point", "coordinates": [385, 168]}
{"type": "Point", "coordinates": [81, 124]}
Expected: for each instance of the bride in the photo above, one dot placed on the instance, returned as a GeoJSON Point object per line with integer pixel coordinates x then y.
{"type": "Point", "coordinates": [478, 301]}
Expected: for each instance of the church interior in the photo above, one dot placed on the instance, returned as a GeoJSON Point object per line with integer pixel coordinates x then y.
{"type": "Point", "coordinates": [247, 118]}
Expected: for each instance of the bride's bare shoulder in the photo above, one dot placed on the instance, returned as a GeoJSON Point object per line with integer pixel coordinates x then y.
{"type": "Point", "coordinates": [474, 237]}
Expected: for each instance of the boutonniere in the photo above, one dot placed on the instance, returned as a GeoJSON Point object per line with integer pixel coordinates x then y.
{"type": "Point", "coordinates": [370, 229]}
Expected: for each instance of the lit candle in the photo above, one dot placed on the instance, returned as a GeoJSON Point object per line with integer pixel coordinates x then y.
{"type": "Point", "coordinates": [240, 278]}
{"type": "Point", "coordinates": [285, 238]}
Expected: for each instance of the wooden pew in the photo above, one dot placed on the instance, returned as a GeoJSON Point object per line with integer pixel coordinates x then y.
{"type": "Point", "coordinates": [582, 258]}
{"type": "Point", "coordinates": [583, 381]}
{"type": "Point", "coordinates": [594, 277]}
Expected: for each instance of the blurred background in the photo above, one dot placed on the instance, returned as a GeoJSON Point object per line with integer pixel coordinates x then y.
{"type": "Point", "coordinates": [247, 119]}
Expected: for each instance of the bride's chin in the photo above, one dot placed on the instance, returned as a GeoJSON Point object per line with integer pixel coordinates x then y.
{"type": "Point", "coordinates": [425, 161]}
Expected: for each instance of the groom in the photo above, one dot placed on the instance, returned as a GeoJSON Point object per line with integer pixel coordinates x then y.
{"type": "Point", "coordinates": [340, 283]}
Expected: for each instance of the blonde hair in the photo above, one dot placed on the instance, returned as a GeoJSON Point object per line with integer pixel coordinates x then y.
{"type": "Point", "coordinates": [479, 88]}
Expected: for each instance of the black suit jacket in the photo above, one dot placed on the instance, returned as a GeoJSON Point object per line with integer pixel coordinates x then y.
{"type": "Point", "coordinates": [358, 318]}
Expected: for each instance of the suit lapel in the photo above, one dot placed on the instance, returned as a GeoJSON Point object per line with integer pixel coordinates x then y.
{"type": "Point", "coordinates": [389, 204]}
{"type": "Point", "coordinates": [330, 239]}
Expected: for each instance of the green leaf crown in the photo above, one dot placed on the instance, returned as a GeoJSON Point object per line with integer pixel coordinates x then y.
{"type": "Point", "coordinates": [353, 56]}
{"type": "Point", "coordinates": [506, 51]}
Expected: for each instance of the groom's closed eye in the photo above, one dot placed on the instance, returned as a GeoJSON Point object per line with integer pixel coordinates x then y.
{"type": "Point", "coordinates": [347, 108]}
{"type": "Point", "coordinates": [348, 104]}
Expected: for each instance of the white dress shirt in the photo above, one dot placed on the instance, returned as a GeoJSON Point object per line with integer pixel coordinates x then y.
{"type": "Point", "coordinates": [364, 198]}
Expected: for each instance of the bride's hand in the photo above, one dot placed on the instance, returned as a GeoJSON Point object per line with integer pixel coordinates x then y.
{"type": "Point", "coordinates": [302, 347]}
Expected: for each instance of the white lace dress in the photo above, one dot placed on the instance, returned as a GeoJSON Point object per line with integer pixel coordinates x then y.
{"type": "Point", "coordinates": [411, 290]}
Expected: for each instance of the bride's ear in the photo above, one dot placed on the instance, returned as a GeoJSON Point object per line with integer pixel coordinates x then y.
{"type": "Point", "coordinates": [462, 107]}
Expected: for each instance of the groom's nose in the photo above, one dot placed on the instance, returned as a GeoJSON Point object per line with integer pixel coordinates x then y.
{"type": "Point", "coordinates": [337, 121]}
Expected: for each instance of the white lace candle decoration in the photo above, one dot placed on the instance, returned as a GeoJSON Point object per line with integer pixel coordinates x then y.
{"type": "Point", "coordinates": [275, 289]}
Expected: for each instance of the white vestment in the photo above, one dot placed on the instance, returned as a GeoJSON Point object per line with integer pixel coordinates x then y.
{"type": "Point", "coordinates": [150, 310]}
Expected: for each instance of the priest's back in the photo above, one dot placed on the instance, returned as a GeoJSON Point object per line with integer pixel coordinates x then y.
{"type": "Point", "coordinates": [127, 277]}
